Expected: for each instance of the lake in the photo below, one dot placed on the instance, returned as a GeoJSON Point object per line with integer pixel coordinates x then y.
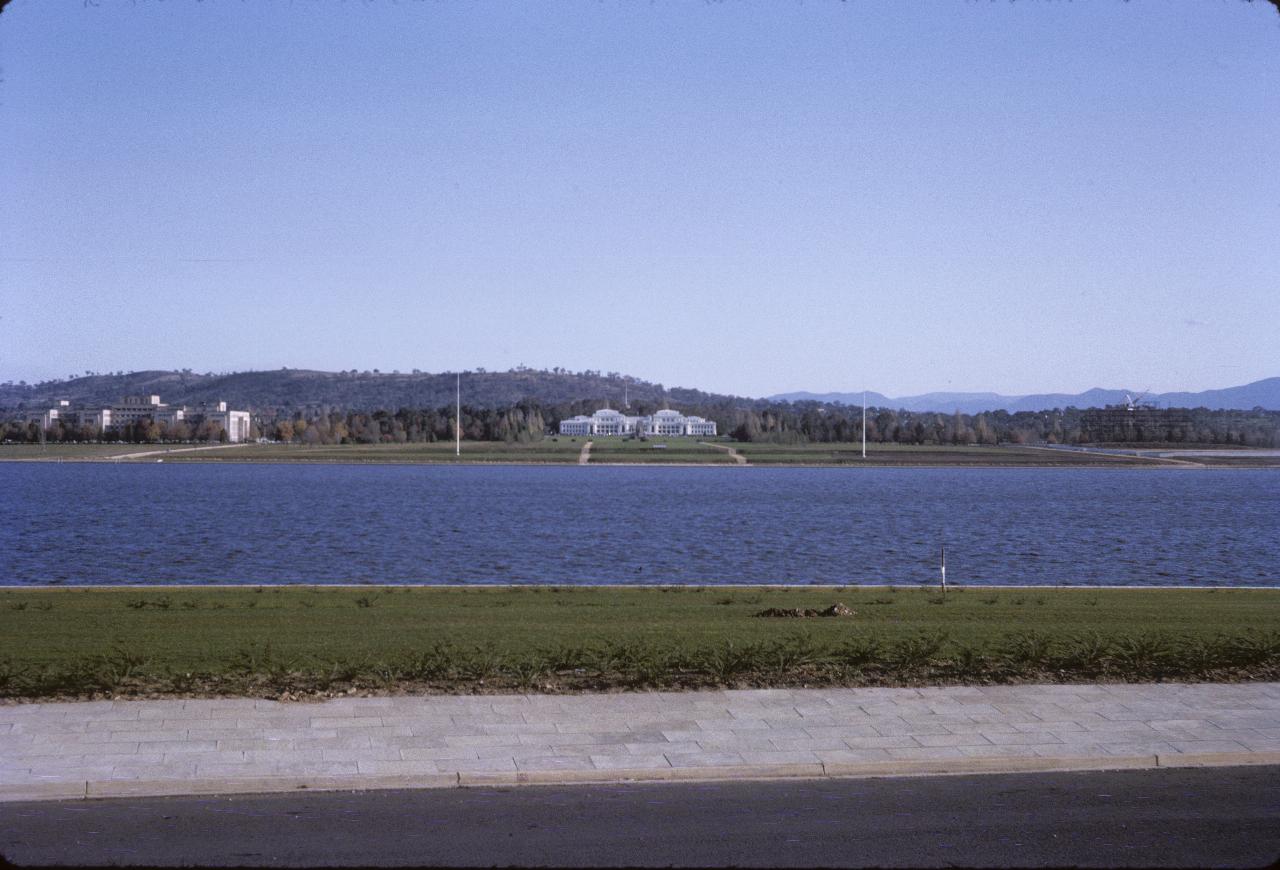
{"type": "Point", "coordinates": [91, 524]}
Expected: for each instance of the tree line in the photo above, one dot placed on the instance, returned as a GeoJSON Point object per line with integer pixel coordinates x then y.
{"type": "Point", "coordinates": [750, 421]}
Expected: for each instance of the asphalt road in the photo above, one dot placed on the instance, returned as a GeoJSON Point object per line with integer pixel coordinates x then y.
{"type": "Point", "coordinates": [1177, 818]}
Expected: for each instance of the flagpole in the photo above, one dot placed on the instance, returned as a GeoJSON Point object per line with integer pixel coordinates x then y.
{"type": "Point", "coordinates": [864, 424]}
{"type": "Point", "coordinates": [458, 427]}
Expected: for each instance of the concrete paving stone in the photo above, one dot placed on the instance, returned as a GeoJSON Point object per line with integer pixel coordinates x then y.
{"type": "Point", "coordinates": [831, 720]}
{"type": "Point", "coordinates": [1065, 725]}
{"type": "Point", "coordinates": [1260, 744]}
{"type": "Point", "coordinates": [925, 753]}
{"type": "Point", "coordinates": [174, 770]}
{"type": "Point", "coordinates": [73, 774]}
{"type": "Point", "coordinates": [211, 757]}
{"type": "Point", "coordinates": [169, 747]}
{"type": "Point", "coordinates": [1102, 738]}
{"type": "Point", "coordinates": [483, 739]}
{"type": "Point", "coordinates": [896, 729]}
{"type": "Point", "coordinates": [571, 739]}
{"type": "Point", "coordinates": [994, 727]}
{"type": "Point", "coordinates": [246, 743]}
{"type": "Point", "coordinates": [111, 725]}
{"type": "Point", "coordinates": [417, 721]}
{"type": "Point", "coordinates": [1143, 747]}
{"type": "Point", "coordinates": [147, 736]}
{"type": "Point", "coordinates": [754, 740]}
{"type": "Point", "coordinates": [1099, 725]}
{"type": "Point", "coordinates": [883, 742]}
{"type": "Point", "coordinates": [518, 728]}
{"type": "Point", "coordinates": [360, 754]}
{"type": "Point", "coordinates": [420, 742]}
{"type": "Point", "coordinates": [989, 751]}
{"type": "Point", "coordinates": [629, 762]}
{"type": "Point", "coordinates": [552, 762]}
{"type": "Point", "coordinates": [588, 750]}
{"type": "Point", "coordinates": [473, 765]}
{"type": "Point", "coordinates": [952, 740]}
{"type": "Point", "coordinates": [279, 722]}
{"type": "Point", "coordinates": [1203, 746]}
{"type": "Point", "coordinates": [1068, 750]}
{"type": "Point", "coordinates": [594, 726]}
{"type": "Point", "coordinates": [61, 726]}
{"type": "Point", "coordinates": [1250, 720]}
{"type": "Point", "coordinates": [786, 745]}
{"type": "Point", "coordinates": [351, 741]}
{"type": "Point", "coordinates": [660, 723]}
{"type": "Point", "coordinates": [36, 750]}
{"type": "Point", "coordinates": [280, 756]}
{"type": "Point", "coordinates": [934, 720]}
{"type": "Point", "coordinates": [804, 710]}
{"type": "Point", "coordinates": [345, 722]}
{"type": "Point", "coordinates": [838, 732]}
{"type": "Point", "coordinates": [387, 730]}
{"type": "Point", "coordinates": [703, 759]}
{"type": "Point", "coordinates": [743, 723]}
{"type": "Point", "coordinates": [752, 756]}
{"type": "Point", "coordinates": [699, 735]}
{"type": "Point", "coordinates": [1021, 738]}
{"type": "Point", "coordinates": [664, 746]}
{"type": "Point", "coordinates": [449, 753]}
{"type": "Point", "coordinates": [171, 710]}
{"type": "Point", "coordinates": [206, 724]}
{"type": "Point", "coordinates": [66, 761]}
{"type": "Point", "coordinates": [516, 752]}
{"type": "Point", "coordinates": [477, 719]}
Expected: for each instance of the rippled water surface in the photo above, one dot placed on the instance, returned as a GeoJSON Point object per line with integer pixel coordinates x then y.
{"type": "Point", "coordinates": [79, 523]}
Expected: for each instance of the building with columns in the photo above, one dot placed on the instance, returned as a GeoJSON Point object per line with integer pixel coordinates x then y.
{"type": "Point", "coordinates": [662, 423]}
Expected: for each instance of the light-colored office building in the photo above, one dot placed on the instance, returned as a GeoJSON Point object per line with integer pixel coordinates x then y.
{"type": "Point", "coordinates": [609, 422]}
{"type": "Point", "coordinates": [131, 409]}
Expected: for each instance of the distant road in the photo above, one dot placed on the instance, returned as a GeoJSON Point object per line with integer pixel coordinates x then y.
{"type": "Point", "coordinates": [1183, 817]}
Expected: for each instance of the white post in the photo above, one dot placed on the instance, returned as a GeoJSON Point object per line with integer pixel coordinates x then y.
{"type": "Point", "coordinates": [458, 425]}
{"type": "Point", "coordinates": [864, 424]}
{"type": "Point", "coordinates": [944, 567]}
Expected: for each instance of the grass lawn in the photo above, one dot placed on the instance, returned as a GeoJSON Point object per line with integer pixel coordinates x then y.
{"type": "Point", "coordinates": [605, 450]}
{"type": "Point", "coordinates": [547, 450]}
{"type": "Point", "coordinates": [55, 452]}
{"type": "Point", "coordinates": [274, 640]}
{"type": "Point", "coordinates": [565, 449]}
{"type": "Point", "coordinates": [911, 454]}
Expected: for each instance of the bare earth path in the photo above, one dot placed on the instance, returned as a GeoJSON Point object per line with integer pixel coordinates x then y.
{"type": "Point", "coordinates": [584, 456]}
{"type": "Point", "coordinates": [165, 452]}
{"type": "Point", "coordinates": [243, 745]}
{"type": "Point", "coordinates": [1159, 460]}
{"type": "Point", "coordinates": [737, 457]}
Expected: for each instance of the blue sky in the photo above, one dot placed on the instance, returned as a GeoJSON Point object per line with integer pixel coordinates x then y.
{"type": "Point", "coordinates": [746, 197]}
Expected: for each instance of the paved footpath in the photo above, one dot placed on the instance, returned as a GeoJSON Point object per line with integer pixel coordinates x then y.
{"type": "Point", "coordinates": [118, 748]}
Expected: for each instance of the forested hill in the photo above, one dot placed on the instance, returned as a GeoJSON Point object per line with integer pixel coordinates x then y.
{"type": "Point", "coordinates": [353, 390]}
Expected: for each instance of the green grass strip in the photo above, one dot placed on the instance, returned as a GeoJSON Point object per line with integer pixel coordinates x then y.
{"type": "Point", "coordinates": [278, 640]}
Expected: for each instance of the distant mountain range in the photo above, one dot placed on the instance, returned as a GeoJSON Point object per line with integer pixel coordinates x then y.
{"type": "Point", "coordinates": [1264, 394]}
{"type": "Point", "coordinates": [368, 391]}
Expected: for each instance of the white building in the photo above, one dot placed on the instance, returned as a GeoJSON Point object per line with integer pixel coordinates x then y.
{"type": "Point", "coordinates": [610, 422]}
{"type": "Point", "coordinates": [234, 423]}
{"type": "Point", "coordinates": [131, 409]}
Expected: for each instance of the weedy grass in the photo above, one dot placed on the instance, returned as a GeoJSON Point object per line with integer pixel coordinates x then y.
{"type": "Point", "coordinates": [317, 640]}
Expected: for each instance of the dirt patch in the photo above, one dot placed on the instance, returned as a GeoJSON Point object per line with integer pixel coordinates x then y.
{"type": "Point", "coordinates": [836, 609]}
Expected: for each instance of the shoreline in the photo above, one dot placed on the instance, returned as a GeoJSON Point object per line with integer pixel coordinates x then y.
{"type": "Point", "coordinates": [1119, 464]}
{"type": "Point", "coordinates": [797, 587]}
